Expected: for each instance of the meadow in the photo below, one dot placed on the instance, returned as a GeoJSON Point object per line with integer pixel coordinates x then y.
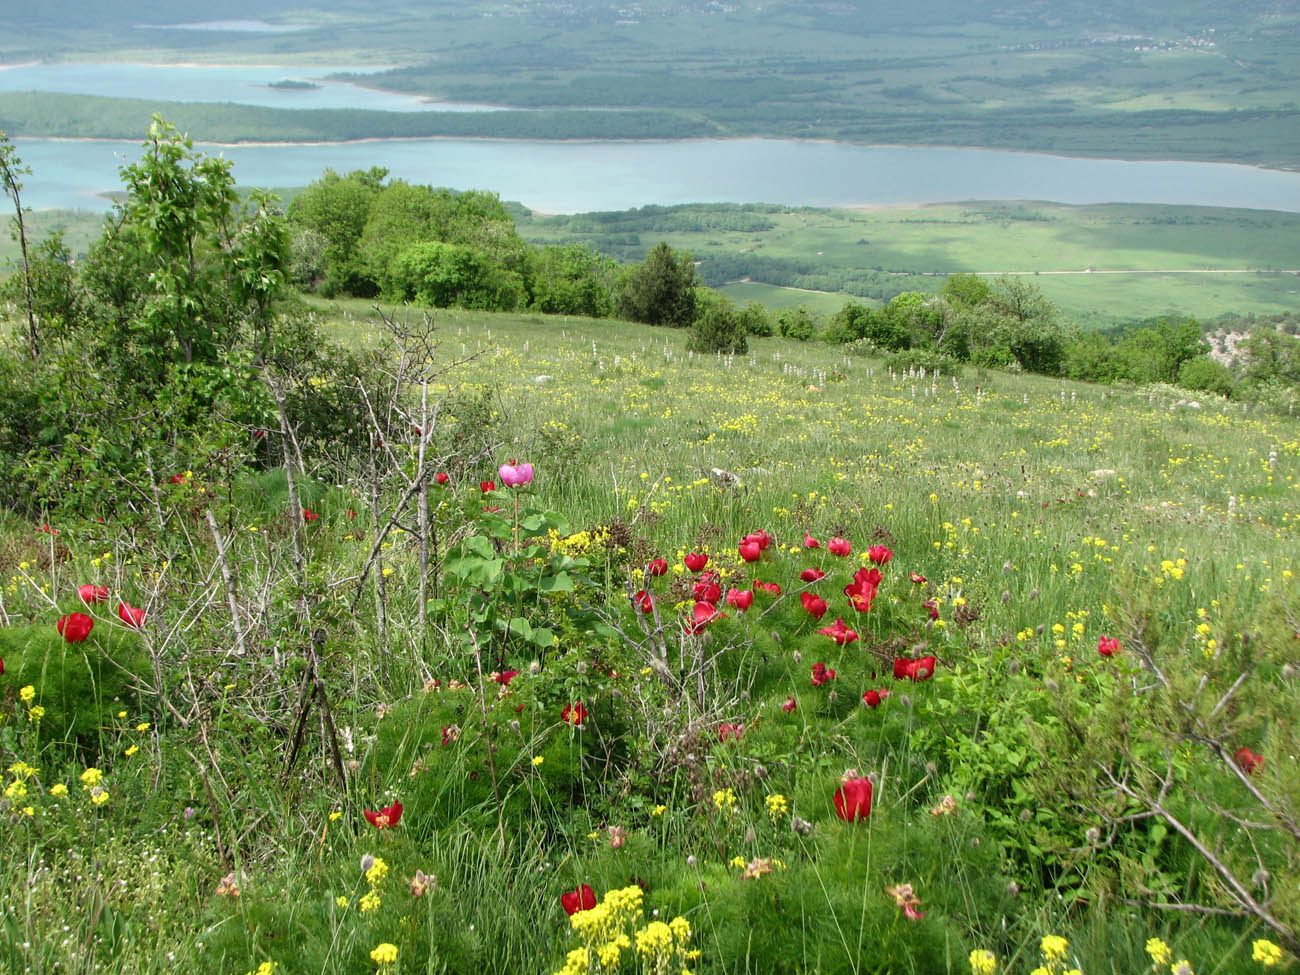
{"type": "Point", "coordinates": [498, 735]}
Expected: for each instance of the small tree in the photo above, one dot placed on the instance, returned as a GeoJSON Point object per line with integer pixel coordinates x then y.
{"type": "Point", "coordinates": [660, 290]}
{"type": "Point", "coordinates": [719, 327]}
{"type": "Point", "coordinates": [11, 168]}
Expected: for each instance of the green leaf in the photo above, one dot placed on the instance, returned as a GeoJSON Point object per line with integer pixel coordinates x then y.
{"type": "Point", "coordinates": [560, 582]}
{"type": "Point", "coordinates": [543, 637]}
{"type": "Point", "coordinates": [521, 628]}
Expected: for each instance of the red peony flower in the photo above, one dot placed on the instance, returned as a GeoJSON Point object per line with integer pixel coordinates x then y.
{"type": "Point", "coordinates": [486, 486]}
{"type": "Point", "coordinates": [657, 567]}
{"type": "Point", "coordinates": [385, 818]}
{"type": "Point", "coordinates": [879, 554]}
{"type": "Point", "coordinates": [707, 590]}
{"type": "Point", "coordinates": [821, 674]}
{"type": "Point", "coordinates": [771, 588]}
{"type": "Point", "coordinates": [812, 575]}
{"type": "Point", "coordinates": [922, 668]}
{"type": "Point", "coordinates": [93, 594]}
{"type": "Point", "coordinates": [810, 542]}
{"type": "Point", "coordinates": [839, 546]}
{"type": "Point", "coordinates": [917, 578]}
{"type": "Point", "coordinates": [574, 714]}
{"type": "Point", "coordinates": [504, 677]}
{"type": "Point", "coordinates": [47, 529]}
{"type": "Point", "coordinates": [75, 627]}
{"type": "Point", "coordinates": [872, 699]}
{"type": "Point", "coordinates": [760, 536]}
{"type": "Point", "coordinates": [790, 704]}
{"type": "Point", "coordinates": [814, 604]}
{"type": "Point", "coordinates": [728, 730]}
{"type": "Point", "coordinates": [308, 515]}
{"type": "Point", "coordinates": [442, 477]}
{"type": "Point", "coordinates": [862, 590]}
{"type": "Point", "coordinates": [644, 601]}
{"type": "Point", "coordinates": [853, 799]}
{"type": "Point", "coordinates": [741, 599]}
{"type": "Point", "coordinates": [1107, 645]}
{"type": "Point", "coordinates": [702, 615]}
{"type": "Point", "coordinates": [130, 615]}
{"type": "Point", "coordinates": [840, 633]}
{"type": "Point", "coordinates": [1248, 760]}
{"type": "Point", "coordinates": [579, 899]}
{"type": "Point", "coordinates": [696, 561]}
{"type": "Point", "coordinates": [750, 550]}
{"type": "Point", "coordinates": [177, 479]}
{"type": "Point", "coordinates": [932, 607]}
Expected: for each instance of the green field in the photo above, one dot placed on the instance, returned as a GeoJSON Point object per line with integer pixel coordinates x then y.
{"type": "Point", "coordinates": [1052, 529]}
{"type": "Point", "coordinates": [880, 252]}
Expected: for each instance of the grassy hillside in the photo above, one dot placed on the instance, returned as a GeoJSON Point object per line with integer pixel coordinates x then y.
{"type": "Point", "coordinates": [1025, 525]}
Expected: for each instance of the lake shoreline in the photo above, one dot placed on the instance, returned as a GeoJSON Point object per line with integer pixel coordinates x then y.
{"type": "Point", "coordinates": [371, 140]}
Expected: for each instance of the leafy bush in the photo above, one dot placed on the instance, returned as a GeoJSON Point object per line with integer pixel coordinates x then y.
{"type": "Point", "coordinates": [797, 323]}
{"type": "Point", "coordinates": [1204, 374]}
{"type": "Point", "coordinates": [718, 328]}
{"type": "Point", "coordinates": [81, 686]}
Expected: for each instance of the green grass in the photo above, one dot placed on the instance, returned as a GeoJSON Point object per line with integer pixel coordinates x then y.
{"type": "Point", "coordinates": [1027, 503]}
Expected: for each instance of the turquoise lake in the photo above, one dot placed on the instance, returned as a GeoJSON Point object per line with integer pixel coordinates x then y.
{"type": "Point", "coordinates": [562, 177]}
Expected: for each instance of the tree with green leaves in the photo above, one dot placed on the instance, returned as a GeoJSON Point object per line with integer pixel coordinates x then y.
{"type": "Point", "coordinates": [11, 171]}
{"type": "Point", "coordinates": [660, 290]}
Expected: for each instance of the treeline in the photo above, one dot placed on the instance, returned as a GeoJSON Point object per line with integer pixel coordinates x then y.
{"type": "Point", "coordinates": [365, 235]}
{"type": "Point", "coordinates": [91, 117]}
{"type": "Point", "coordinates": [687, 218]}
{"type": "Point", "coordinates": [642, 90]}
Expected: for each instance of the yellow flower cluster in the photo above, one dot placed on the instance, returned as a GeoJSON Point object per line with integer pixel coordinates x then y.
{"type": "Point", "coordinates": [983, 962]}
{"type": "Point", "coordinates": [377, 872]}
{"type": "Point", "coordinates": [1159, 952]}
{"type": "Point", "coordinates": [724, 799]}
{"type": "Point", "coordinates": [776, 806]}
{"type": "Point", "coordinates": [610, 929]}
{"type": "Point", "coordinates": [1053, 947]}
{"type": "Point", "coordinates": [384, 954]}
{"type": "Point", "coordinates": [1266, 953]}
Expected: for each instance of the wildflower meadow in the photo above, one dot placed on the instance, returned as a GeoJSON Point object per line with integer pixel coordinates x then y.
{"type": "Point", "coordinates": [583, 653]}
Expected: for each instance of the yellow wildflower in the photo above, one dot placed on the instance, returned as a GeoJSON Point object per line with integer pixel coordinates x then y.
{"type": "Point", "coordinates": [384, 954]}
{"type": "Point", "coordinates": [983, 962]}
{"type": "Point", "coordinates": [1266, 953]}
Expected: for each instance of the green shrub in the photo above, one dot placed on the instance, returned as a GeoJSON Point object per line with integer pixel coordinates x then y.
{"type": "Point", "coordinates": [1205, 375]}
{"type": "Point", "coordinates": [718, 328]}
{"type": "Point", "coordinates": [797, 323]}
{"type": "Point", "coordinates": [78, 685]}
